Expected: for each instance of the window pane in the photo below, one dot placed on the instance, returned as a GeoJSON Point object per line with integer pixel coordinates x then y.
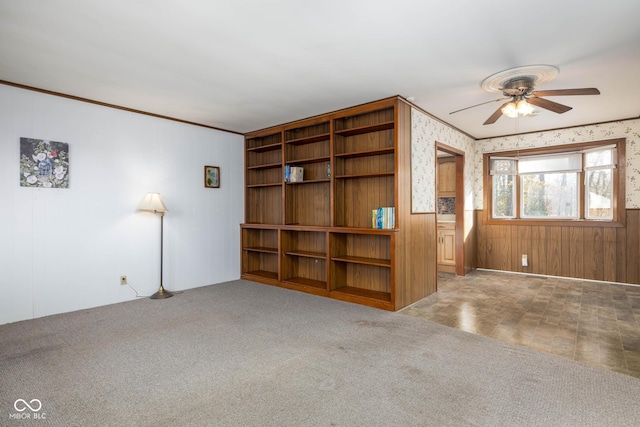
{"type": "Point", "coordinates": [599, 158]}
{"type": "Point", "coordinates": [550, 195]}
{"type": "Point", "coordinates": [503, 166]}
{"type": "Point", "coordinates": [600, 191]}
{"type": "Point", "coordinates": [503, 189]}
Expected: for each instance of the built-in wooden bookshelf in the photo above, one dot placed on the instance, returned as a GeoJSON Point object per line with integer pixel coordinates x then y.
{"type": "Point", "coordinates": [260, 252]}
{"type": "Point", "coordinates": [309, 147]}
{"type": "Point", "coordinates": [316, 235]}
{"type": "Point", "coordinates": [364, 158]}
{"type": "Point", "coordinates": [304, 260]}
{"type": "Point", "coordinates": [263, 179]}
{"type": "Point", "coordinates": [361, 265]}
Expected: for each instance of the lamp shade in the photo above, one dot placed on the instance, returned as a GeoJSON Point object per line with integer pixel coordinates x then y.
{"type": "Point", "coordinates": [152, 202]}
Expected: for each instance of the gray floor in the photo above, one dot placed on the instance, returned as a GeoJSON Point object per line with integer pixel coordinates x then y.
{"type": "Point", "coordinates": [593, 323]}
{"type": "Point", "coordinates": [246, 354]}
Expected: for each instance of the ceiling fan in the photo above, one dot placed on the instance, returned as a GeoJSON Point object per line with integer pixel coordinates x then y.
{"type": "Point", "coordinates": [518, 87]}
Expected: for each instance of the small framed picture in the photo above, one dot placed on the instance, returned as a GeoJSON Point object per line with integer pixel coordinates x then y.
{"type": "Point", "coordinates": [212, 177]}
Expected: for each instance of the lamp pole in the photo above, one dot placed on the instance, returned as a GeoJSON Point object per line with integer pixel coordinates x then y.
{"type": "Point", "coordinates": [162, 293]}
{"type": "Point", "coordinates": [152, 202]}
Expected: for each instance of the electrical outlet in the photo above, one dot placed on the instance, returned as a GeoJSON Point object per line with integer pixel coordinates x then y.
{"type": "Point", "coordinates": [123, 280]}
{"type": "Point", "coordinates": [524, 260]}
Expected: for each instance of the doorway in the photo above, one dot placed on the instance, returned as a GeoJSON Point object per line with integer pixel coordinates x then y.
{"type": "Point", "coordinates": [450, 221]}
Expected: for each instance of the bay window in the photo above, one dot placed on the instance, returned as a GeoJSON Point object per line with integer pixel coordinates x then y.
{"type": "Point", "coordinates": [583, 183]}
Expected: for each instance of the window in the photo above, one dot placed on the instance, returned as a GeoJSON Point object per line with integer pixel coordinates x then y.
{"type": "Point", "coordinates": [549, 184]}
{"type": "Point", "coordinates": [599, 167]}
{"type": "Point", "coordinates": [503, 172]}
{"type": "Point", "coordinates": [549, 195]}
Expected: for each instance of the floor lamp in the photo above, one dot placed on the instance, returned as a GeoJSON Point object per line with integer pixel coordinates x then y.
{"type": "Point", "coordinates": [153, 203]}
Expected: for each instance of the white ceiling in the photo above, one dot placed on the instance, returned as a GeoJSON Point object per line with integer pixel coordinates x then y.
{"type": "Point", "coordinates": [243, 65]}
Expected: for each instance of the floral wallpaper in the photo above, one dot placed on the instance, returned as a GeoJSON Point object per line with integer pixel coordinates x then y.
{"type": "Point", "coordinates": [425, 131]}
{"type": "Point", "coordinates": [629, 129]}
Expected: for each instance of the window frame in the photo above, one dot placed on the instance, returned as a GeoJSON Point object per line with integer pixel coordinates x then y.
{"type": "Point", "coordinates": [619, 182]}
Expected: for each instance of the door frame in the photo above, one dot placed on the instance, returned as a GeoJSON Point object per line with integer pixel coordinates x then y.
{"type": "Point", "coordinates": [460, 230]}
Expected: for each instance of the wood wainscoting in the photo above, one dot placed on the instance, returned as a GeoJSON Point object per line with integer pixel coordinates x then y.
{"type": "Point", "coordinates": [596, 253]}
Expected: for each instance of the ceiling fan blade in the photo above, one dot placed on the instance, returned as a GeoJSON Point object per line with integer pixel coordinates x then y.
{"type": "Point", "coordinates": [567, 92]}
{"type": "Point", "coordinates": [548, 105]}
{"type": "Point", "coordinates": [496, 115]}
{"type": "Point", "coordinates": [477, 105]}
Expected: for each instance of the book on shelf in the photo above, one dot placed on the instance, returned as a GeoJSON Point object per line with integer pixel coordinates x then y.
{"type": "Point", "coordinates": [297, 174]}
{"type": "Point", "coordinates": [293, 173]}
{"type": "Point", "coordinates": [383, 218]}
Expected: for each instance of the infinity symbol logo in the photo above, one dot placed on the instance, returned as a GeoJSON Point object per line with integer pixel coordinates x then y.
{"type": "Point", "coordinates": [24, 405]}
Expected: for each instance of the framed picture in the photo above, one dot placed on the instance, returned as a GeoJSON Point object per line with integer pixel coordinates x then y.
{"type": "Point", "coordinates": [212, 177]}
{"type": "Point", "coordinates": [44, 163]}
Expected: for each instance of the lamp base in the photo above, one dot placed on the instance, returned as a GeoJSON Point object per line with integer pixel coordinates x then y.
{"type": "Point", "coordinates": [161, 294]}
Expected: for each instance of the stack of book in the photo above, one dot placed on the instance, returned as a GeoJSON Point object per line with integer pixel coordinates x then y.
{"type": "Point", "coordinates": [293, 173]}
{"type": "Point", "coordinates": [383, 218]}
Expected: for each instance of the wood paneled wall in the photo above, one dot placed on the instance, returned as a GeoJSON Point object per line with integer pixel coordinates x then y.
{"type": "Point", "coordinates": [597, 253]}
{"type": "Point", "coordinates": [470, 241]}
{"type": "Point", "coordinates": [415, 248]}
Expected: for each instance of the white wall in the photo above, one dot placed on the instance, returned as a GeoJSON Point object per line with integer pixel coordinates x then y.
{"type": "Point", "coordinates": [64, 249]}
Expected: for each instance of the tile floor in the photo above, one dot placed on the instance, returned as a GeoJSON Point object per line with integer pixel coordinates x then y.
{"type": "Point", "coordinates": [593, 323]}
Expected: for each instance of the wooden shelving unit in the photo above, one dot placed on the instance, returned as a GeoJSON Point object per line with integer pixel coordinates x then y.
{"type": "Point", "coordinates": [361, 265]}
{"type": "Point", "coordinates": [347, 130]}
{"type": "Point", "coordinates": [304, 262]}
{"type": "Point", "coordinates": [316, 235]}
{"type": "Point", "coordinates": [260, 252]}
{"type": "Point", "coordinates": [309, 147]}
{"type": "Point", "coordinates": [263, 179]}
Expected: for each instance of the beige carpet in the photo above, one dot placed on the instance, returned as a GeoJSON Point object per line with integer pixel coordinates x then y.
{"type": "Point", "coordinates": [245, 354]}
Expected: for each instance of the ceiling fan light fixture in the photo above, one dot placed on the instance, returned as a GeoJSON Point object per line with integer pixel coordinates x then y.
{"type": "Point", "coordinates": [510, 110]}
{"type": "Point", "coordinates": [518, 87]}
{"type": "Point", "coordinates": [524, 108]}
{"type": "Point", "coordinates": [514, 109]}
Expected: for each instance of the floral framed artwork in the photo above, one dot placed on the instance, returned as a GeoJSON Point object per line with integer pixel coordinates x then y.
{"type": "Point", "coordinates": [212, 177]}
{"type": "Point", "coordinates": [43, 163]}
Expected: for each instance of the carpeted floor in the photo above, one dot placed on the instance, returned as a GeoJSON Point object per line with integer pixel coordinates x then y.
{"type": "Point", "coordinates": [245, 354]}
